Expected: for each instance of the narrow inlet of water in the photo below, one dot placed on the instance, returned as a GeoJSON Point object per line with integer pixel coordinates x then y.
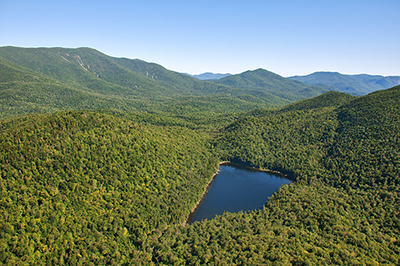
{"type": "Point", "coordinates": [237, 188]}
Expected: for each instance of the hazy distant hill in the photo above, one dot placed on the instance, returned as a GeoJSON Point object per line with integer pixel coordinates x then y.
{"type": "Point", "coordinates": [353, 84]}
{"type": "Point", "coordinates": [268, 82]}
{"type": "Point", "coordinates": [378, 82]}
{"type": "Point", "coordinates": [209, 75]}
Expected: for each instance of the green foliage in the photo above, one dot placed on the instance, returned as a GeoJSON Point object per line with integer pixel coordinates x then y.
{"type": "Point", "coordinates": [359, 139]}
{"type": "Point", "coordinates": [291, 142]}
{"type": "Point", "coordinates": [367, 145]}
{"type": "Point", "coordinates": [328, 99]}
{"type": "Point", "coordinates": [88, 187]}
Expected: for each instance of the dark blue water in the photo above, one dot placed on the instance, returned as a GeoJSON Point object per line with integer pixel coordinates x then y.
{"type": "Point", "coordinates": [235, 189]}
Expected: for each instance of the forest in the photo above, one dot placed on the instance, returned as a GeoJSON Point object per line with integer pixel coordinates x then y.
{"type": "Point", "coordinates": [108, 186]}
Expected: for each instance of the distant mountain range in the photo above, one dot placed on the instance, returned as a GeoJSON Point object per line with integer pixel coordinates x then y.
{"type": "Point", "coordinates": [257, 80]}
{"type": "Point", "coordinates": [209, 75]}
{"type": "Point", "coordinates": [36, 80]}
{"type": "Point", "coordinates": [52, 79]}
{"type": "Point", "coordinates": [360, 84]}
{"type": "Point", "coordinates": [352, 84]}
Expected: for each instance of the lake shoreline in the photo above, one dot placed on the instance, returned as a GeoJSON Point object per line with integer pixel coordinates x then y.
{"type": "Point", "coordinates": [216, 173]}
{"type": "Point", "coordinates": [261, 169]}
{"type": "Point", "coordinates": [204, 193]}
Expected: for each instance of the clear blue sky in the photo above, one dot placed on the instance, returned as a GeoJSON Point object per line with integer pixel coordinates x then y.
{"type": "Point", "coordinates": [286, 37]}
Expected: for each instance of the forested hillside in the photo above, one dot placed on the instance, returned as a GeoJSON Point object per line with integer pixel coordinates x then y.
{"type": "Point", "coordinates": [23, 91]}
{"type": "Point", "coordinates": [82, 187]}
{"type": "Point", "coordinates": [328, 99]}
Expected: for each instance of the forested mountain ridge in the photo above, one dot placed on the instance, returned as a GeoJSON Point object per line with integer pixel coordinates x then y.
{"type": "Point", "coordinates": [370, 119]}
{"type": "Point", "coordinates": [123, 72]}
{"type": "Point", "coordinates": [25, 91]}
{"type": "Point", "coordinates": [266, 81]}
{"type": "Point", "coordinates": [122, 84]}
{"type": "Point", "coordinates": [85, 67]}
{"type": "Point", "coordinates": [66, 85]}
{"type": "Point", "coordinates": [353, 84]}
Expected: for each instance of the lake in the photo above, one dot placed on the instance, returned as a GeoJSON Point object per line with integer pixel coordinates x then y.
{"type": "Point", "coordinates": [237, 188]}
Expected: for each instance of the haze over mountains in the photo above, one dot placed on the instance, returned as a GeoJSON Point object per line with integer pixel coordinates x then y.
{"type": "Point", "coordinates": [209, 75]}
{"type": "Point", "coordinates": [359, 84]}
{"type": "Point", "coordinates": [353, 84]}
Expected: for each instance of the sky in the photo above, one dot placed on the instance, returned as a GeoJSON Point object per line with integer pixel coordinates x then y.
{"type": "Point", "coordinates": [286, 37]}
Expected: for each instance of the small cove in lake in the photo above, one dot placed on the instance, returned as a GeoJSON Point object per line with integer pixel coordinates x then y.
{"type": "Point", "coordinates": [237, 188]}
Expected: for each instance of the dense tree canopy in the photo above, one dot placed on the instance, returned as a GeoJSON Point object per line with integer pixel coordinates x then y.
{"type": "Point", "coordinates": [80, 186]}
